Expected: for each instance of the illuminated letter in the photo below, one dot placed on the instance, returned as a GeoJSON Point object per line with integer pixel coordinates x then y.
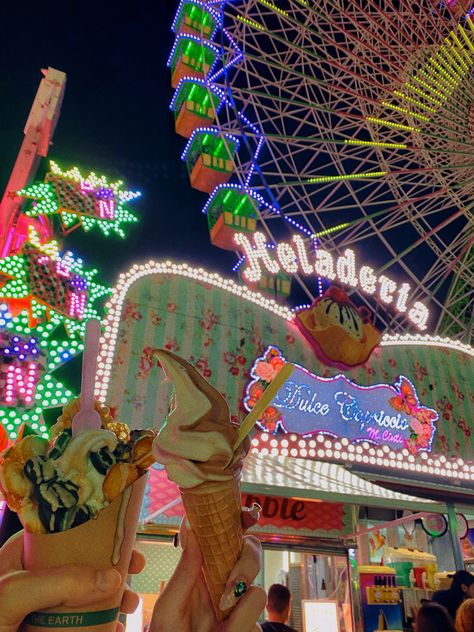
{"type": "Point", "coordinates": [77, 305]}
{"type": "Point", "coordinates": [346, 268]}
{"type": "Point", "coordinates": [86, 187]}
{"type": "Point", "coordinates": [368, 279]}
{"type": "Point", "coordinates": [324, 265]}
{"type": "Point", "coordinates": [287, 257]}
{"type": "Point", "coordinates": [387, 288]}
{"type": "Point", "coordinates": [402, 297]}
{"type": "Point", "coordinates": [107, 209]}
{"type": "Point", "coordinates": [418, 315]}
{"type": "Point", "coordinates": [19, 385]}
{"type": "Point", "coordinates": [254, 271]}
{"type": "Point", "coordinates": [302, 254]}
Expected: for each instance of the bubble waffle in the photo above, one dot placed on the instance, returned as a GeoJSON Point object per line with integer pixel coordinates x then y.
{"type": "Point", "coordinates": [57, 485]}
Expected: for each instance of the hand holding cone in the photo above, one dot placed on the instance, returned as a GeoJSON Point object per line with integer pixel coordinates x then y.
{"type": "Point", "coordinates": [196, 445]}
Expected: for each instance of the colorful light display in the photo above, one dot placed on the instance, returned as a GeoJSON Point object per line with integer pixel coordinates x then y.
{"type": "Point", "coordinates": [47, 294]}
{"type": "Point", "coordinates": [307, 404]}
{"type": "Point", "coordinates": [294, 258]}
{"type": "Point", "coordinates": [392, 141]}
{"type": "Point", "coordinates": [320, 446]}
{"type": "Point", "coordinates": [82, 201]}
{"type": "Point", "coordinates": [45, 286]}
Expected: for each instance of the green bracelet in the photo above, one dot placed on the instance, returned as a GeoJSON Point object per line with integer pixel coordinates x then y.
{"type": "Point", "coordinates": [71, 619]}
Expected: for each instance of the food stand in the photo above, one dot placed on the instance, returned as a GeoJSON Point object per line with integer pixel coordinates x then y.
{"type": "Point", "coordinates": [327, 498]}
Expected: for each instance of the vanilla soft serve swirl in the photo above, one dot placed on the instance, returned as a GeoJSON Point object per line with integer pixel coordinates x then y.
{"type": "Point", "coordinates": [196, 443]}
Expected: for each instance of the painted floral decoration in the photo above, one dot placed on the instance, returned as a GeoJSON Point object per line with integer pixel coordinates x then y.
{"type": "Point", "coordinates": [420, 418]}
{"type": "Point", "coordinates": [263, 372]}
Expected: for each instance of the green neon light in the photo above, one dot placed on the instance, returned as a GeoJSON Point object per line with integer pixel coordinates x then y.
{"type": "Point", "coordinates": [405, 111]}
{"type": "Point", "coordinates": [414, 101]}
{"type": "Point", "coordinates": [370, 143]}
{"type": "Point", "coordinates": [408, 128]}
{"type": "Point", "coordinates": [63, 190]}
{"type": "Point", "coordinates": [251, 23]}
{"type": "Point", "coordinates": [350, 176]}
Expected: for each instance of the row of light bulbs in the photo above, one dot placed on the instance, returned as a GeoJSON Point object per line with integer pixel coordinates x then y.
{"type": "Point", "coordinates": [343, 451]}
{"type": "Point", "coordinates": [138, 271]}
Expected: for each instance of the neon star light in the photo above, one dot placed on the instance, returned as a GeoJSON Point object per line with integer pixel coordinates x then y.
{"type": "Point", "coordinates": [61, 289]}
{"type": "Point", "coordinates": [28, 359]}
{"type": "Point", "coordinates": [293, 258]}
{"type": "Point", "coordinates": [88, 202]}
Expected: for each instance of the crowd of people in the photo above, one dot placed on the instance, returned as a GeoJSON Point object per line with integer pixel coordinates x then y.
{"type": "Point", "coordinates": [451, 610]}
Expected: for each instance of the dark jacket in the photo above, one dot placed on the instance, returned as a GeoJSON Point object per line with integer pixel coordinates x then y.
{"type": "Point", "coordinates": [268, 626]}
{"type": "Point", "coordinates": [450, 599]}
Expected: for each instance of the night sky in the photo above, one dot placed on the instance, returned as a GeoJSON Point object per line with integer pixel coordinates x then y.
{"type": "Point", "coordinates": [115, 119]}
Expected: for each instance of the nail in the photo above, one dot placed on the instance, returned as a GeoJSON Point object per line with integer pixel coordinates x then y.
{"type": "Point", "coordinates": [106, 580]}
{"type": "Point", "coordinates": [176, 540]}
{"type": "Point", "coordinates": [255, 511]}
{"type": "Point", "coordinates": [233, 594]}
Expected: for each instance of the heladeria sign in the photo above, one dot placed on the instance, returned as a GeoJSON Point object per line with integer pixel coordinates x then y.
{"type": "Point", "coordinates": [307, 404]}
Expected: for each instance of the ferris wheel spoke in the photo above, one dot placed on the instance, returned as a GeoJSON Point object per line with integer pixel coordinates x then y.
{"type": "Point", "coordinates": [356, 129]}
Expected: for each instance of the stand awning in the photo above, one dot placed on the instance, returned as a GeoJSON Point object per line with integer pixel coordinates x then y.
{"type": "Point", "coordinates": [300, 478]}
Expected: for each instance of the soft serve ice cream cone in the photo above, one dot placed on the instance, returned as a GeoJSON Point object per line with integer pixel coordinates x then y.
{"type": "Point", "coordinates": [196, 445]}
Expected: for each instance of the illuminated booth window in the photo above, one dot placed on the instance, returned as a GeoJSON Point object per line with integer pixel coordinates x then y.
{"type": "Point", "coordinates": [230, 210]}
{"type": "Point", "coordinates": [275, 284]}
{"type": "Point", "coordinates": [208, 157]}
{"type": "Point", "coordinates": [191, 57]}
{"type": "Point", "coordinates": [195, 104]}
{"type": "Point", "coordinates": [193, 18]}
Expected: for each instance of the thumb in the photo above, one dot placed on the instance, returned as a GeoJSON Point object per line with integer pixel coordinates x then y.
{"type": "Point", "coordinates": [22, 592]}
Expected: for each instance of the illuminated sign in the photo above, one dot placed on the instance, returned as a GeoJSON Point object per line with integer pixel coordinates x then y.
{"type": "Point", "coordinates": [308, 404]}
{"type": "Point", "coordinates": [80, 201]}
{"type": "Point", "coordinates": [293, 258]}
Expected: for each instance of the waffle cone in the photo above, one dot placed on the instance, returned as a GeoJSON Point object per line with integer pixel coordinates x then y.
{"type": "Point", "coordinates": [213, 511]}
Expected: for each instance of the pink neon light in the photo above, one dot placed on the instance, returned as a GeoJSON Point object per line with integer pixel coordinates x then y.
{"type": "Point", "coordinates": [77, 305]}
{"type": "Point", "coordinates": [21, 384]}
{"type": "Point", "coordinates": [107, 209]}
{"type": "Point", "coordinates": [62, 268]}
{"type": "Point", "coordinates": [44, 259]}
{"type": "Point", "coordinates": [86, 187]}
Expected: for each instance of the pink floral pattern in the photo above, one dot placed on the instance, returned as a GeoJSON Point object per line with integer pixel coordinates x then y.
{"type": "Point", "coordinates": [263, 372]}
{"type": "Point", "coordinates": [228, 334]}
{"type": "Point", "coordinates": [421, 418]}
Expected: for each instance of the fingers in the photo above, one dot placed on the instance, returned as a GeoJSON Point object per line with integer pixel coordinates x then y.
{"type": "Point", "coordinates": [250, 516]}
{"type": "Point", "coordinates": [176, 595]}
{"type": "Point", "coordinates": [22, 592]}
{"type": "Point", "coordinates": [245, 615]}
{"type": "Point", "coordinates": [249, 563]}
{"type": "Point", "coordinates": [137, 562]}
{"type": "Point", "coordinates": [11, 554]}
{"type": "Point", "coordinates": [244, 572]}
{"type": "Point", "coordinates": [130, 601]}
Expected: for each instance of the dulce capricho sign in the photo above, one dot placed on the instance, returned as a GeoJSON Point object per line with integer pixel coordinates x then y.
{"type": "Point", "coordinates": [307, 404]}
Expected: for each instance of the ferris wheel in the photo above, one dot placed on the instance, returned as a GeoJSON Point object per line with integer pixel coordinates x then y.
{"type": "Point", "coordinates": [350, 124]}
